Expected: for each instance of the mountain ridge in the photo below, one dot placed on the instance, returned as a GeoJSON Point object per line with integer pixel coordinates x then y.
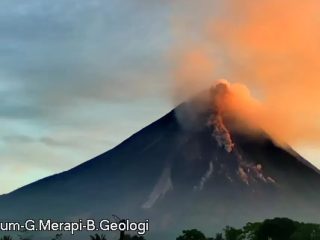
{"type": "Point", "coordinates": [179, 173]}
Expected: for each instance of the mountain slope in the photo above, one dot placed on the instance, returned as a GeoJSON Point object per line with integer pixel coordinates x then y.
{"type": "Point", "coordinates": [188, 169]}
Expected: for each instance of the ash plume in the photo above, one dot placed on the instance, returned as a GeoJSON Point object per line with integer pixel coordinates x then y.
{"type": "Point", "coordinates": [269, 51]}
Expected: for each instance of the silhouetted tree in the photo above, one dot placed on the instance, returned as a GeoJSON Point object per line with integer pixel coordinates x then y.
{"type": "Point", "coordinates": [270, 229]}
{"type": "Point", "coordinates": [218, 236]}
{"type": "Point", "coordinates": [192, 234]}
{"type": "Point", "coordinates": [135, 237]}
{"type": "Point", "coordinates": [276, 229]}
{"type": "Point", "coordinates": [98, 237]}
{"type": "Point", "coordinates": [306, 232]}
{"type": "Point", "coordinates": [249, 231]}
{"type": "Point", "coordinates": [6, 238]}
{"type": "Point", "coordinates": [57, 236]}
{"type": "Point", "coordinates": [232, 233]}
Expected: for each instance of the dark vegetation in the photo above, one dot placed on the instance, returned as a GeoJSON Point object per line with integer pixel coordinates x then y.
{"type": "Point", "coordinates": [270, 229]}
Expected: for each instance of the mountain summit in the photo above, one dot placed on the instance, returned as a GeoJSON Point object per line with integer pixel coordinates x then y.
{"type": "Point", "coordinates": [190, 169]}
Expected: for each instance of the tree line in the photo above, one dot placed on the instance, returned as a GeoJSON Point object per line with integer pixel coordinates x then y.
{"type": "Point", "coordinates": [270, 229]}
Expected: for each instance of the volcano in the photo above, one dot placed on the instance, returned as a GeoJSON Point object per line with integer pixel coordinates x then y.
{"type": "Point", "coordinates": [190, 169]}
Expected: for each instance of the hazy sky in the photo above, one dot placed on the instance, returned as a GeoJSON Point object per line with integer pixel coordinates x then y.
{"type": "Point", "coordinates": [76, 78]}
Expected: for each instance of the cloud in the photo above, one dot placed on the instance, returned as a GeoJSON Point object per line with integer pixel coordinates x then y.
{"type": "Point", "coordinates": [270, 47]}
{"type": "Point", "coordinates": [63, 53]}
{"type": "Point", "coordinates": [17, 139]}
{"type": "Point", "coordinates": [72, 73]}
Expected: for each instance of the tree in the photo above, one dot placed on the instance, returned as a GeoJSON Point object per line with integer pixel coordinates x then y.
{"type": "Point", "coordinates": [218, 236]}
{"type": "Point", "coordinates": [276, 229]}
{"type": "Point", "coordinates": [306, 232]}
{"type": "Point", "coordinates": [135, 237]}
{"type": "Point", "coordinates": [6, 238]}
{"type": "Point", "coordinates": [192, 234]}
{"type": "Point", "coordinates": [232, 233]}
{"type": "Point", "coordinates": [58, 236]}
{"type": "Point", "coordinates": [98, 237]}
{"type": "Point", "coordinates": [249, 231]}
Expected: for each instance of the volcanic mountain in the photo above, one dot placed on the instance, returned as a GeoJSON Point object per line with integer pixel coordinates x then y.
{"type": "Point", "coordinates": [189, 169]}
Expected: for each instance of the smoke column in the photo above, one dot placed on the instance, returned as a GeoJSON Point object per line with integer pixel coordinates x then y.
{"type": "Point", "coordinates": [266, 48]}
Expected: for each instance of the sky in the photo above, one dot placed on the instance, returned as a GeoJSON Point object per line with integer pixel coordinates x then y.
{"type": "Point", "coordinates": [77, 77]}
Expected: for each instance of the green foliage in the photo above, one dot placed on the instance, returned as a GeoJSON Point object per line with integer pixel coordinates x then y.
{"type": "Point", "coordinates": [98, 237]}
{"type": "Point", "coordinates": [192, 234]}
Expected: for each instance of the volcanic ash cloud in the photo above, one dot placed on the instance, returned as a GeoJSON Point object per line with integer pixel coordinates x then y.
{"type": "Point", "coordinates": [270, 47]}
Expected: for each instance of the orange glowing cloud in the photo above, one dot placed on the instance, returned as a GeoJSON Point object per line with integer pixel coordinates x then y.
{"type": "Point", "coordinates": [271, 47]}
